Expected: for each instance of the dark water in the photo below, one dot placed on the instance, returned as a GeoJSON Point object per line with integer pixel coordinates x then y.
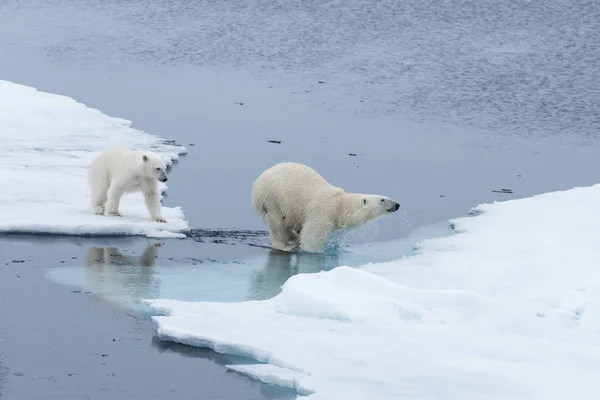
{"type": "Point", "coordinates": [62, 342]}
{"type": "Point", "coordinates": [442, 103]}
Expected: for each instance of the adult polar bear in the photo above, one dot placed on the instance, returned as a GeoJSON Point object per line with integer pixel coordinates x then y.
{"type": "Point", "coordinates": [116, 172]}
{"type": "Point", "coordinates": [300, 208]}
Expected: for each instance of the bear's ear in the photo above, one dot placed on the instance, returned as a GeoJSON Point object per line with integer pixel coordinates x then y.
{"type": "Point", "coordinates": [145, 158]}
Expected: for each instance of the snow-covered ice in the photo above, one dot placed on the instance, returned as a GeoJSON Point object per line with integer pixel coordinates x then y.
{"type": "Point", "coordinates": [507, 307]}
{"type": "Point", "coordinates": [47, 142]}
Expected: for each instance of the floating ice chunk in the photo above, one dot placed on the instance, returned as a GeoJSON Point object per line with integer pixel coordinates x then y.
{"type": "Point", "coordinates": [506, 308]}
{"type": "Point", "coordinates": [46, 144]}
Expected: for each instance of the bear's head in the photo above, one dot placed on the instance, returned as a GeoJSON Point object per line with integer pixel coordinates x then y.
{"type": "Point", "coordinates": [154, 166]}
{"type": "Point", "coordinates": [376, 205]}
{"type": "Point", "coordinates": [362, 208]}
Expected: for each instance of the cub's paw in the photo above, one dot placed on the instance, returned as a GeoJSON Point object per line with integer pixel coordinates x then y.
{"type": "Point", "coordinates": [113, 214]}
{"type": "Point", "coordinates": [99, 210]}
{"type": "Point", "coordinates": [161, 219]}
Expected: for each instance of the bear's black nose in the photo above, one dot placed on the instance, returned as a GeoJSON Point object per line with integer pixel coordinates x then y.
{"type": "Point", "coordinates": [396, 207]}
{"type": "Point", "coordinates": [164, 179]}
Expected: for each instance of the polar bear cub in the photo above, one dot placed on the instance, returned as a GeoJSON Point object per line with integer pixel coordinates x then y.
{"type": "Point", "coordinates": [300, 208]}
{"type": "Point", "coordinates": [116, 172]}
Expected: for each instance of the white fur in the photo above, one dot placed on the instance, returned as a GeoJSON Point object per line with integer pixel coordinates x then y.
{"type": "Point", "coordinates": [300, 208]}
{"type": "Point", "coordinates": [116, 172]}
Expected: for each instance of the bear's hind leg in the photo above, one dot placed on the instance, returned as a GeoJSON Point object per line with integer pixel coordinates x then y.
{"type": "Point", "coordinates": [278, 233]}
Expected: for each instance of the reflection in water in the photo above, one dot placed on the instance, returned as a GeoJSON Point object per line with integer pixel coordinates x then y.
{"type": "Point", "coordinates": [119, 277]}
{"type": "Point", "coordinates": [269, 391]}
{"type": "Point", "coordinates": [281, 265]}
{"type": "Point", "coordinates": [197, 352]}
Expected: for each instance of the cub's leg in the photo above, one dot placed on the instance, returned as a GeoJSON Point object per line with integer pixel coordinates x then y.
{"type": "Point", "coordinates": [114, 194]}
{"type": "Point", "coordinates": [98, 195]}
{"type": "Point", "coordinates": [152, 199]}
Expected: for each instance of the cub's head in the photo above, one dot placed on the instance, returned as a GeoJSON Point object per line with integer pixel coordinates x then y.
{"type": "Point", "coordinates": [154, 166]}
{"type": "Point", "coordinates": [376, 206]}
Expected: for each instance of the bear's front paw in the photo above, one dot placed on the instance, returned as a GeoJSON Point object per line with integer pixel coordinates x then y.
{"type": "Point", "coordinates": [99, 210]}
{"type": "Point", "coordinates": [113, 214]}
{"type": "Point", "coordinates": [161, 219]}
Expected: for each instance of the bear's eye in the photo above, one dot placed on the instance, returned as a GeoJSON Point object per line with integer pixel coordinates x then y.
{"type": "Point", "coordinates": [158, 169]}
{"type": "Point", "coordinates": [364, 201]}
{"type": "Point", "coordinates": [382, 200]}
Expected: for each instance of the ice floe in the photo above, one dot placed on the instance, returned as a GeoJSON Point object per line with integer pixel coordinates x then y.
{"type": "Point", "coordinates": [47, 142]}
{"type": "Point", "coordinates": [507, 307]}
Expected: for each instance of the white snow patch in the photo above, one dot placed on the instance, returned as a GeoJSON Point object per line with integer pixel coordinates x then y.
{"type": "Point", "coordinates": [506, 308]}
{"type": "Point", "coordinates": [47, 143]}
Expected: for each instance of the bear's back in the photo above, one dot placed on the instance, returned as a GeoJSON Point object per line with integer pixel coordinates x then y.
{"type": "Point", "coordinates": [290, 187]}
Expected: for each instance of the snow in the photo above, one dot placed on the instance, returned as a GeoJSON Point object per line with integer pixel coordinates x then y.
{"type": "Point", "coordinates": [507, 307]}
{"type": "Point", "coordinates": [47, 142]}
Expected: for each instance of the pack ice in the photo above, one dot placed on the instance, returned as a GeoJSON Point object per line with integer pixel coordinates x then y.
{"type": "Point", "coordinates": [47, 143]}
{"type": "Point", "coordinates": [507, 307]}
